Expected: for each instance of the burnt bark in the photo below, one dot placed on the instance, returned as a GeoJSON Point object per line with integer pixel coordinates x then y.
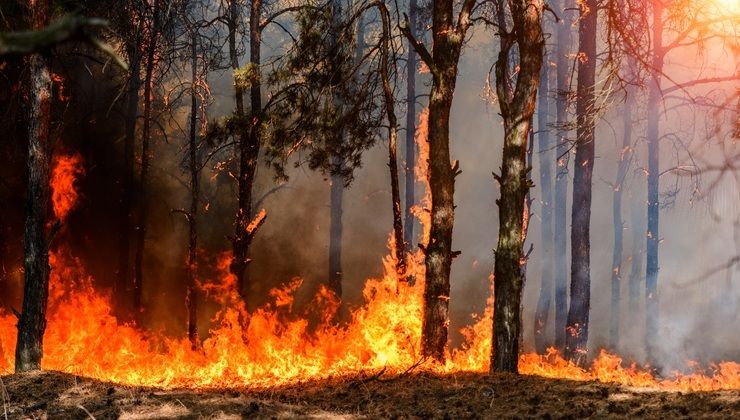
{"type": "Point", "coordinates": [32, 321]}
{"type": "Point", "coordinates": [122, 287]}
{"type": "Point", "coordinates": [400, 246]}
{"type": "Point", "coordinates": [191, 291]}
{"type": "Point", "coordinates": [546, 157]}
{"type": "Point", "coordinates": [146, 134]}
{"type": "Point", "coordinates": [561, 173]}
{"type": "Point", "coordinates": [448, 36]}
{"type": "Point", "coordinates": [517, 107]}
{"type": "Point", "coordinates": [576, 339]}
{"type": "Point", "coordinates": [249, 142]}
{"type": "Point", "coordinates": [410, 193]}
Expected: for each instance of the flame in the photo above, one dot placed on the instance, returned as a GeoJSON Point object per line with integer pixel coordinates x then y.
{"type": "Point", "coordinates": [277, 344]}
{"type": "Point", "coordinates": [63, 176]}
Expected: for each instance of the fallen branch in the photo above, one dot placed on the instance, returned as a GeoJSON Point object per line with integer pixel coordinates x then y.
{"type": "Point", "coordinates": [356, 383]}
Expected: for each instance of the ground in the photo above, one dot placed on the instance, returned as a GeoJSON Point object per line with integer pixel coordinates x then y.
{"type": "Point", "coordinates": [56, 395]}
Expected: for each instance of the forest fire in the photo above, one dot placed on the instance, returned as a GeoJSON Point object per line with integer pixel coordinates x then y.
{"type": "Point", "coordinates": [84, 338]}
{"type": "Point", "coordinates": [207, 209]}
{"type": "Point", "coordinates": [274, 345]}
{"type": "Point", "coordinates": [67, 170]}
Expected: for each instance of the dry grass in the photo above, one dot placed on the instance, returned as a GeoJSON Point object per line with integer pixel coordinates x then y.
{"type": "Point", "coordinates": [55, 395]}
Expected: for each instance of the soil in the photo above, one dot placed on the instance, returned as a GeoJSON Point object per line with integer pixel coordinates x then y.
{"type": "Point", "coordinates": [54, 395]}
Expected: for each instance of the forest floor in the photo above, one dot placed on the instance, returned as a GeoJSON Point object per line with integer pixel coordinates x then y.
{"type": "Point", "coordinates": [56, 395]}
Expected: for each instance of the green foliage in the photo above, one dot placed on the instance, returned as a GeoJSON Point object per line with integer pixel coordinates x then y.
{"type": "Point", "coordinates": [247, 76]}
{"type": "Point", "coordinates": [328, 109]}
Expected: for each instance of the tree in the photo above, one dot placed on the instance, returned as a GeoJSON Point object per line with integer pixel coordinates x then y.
{"type": "Point", "coordinates": [153, 33]}
{"type": "Point", "coordinates": [329, 101]}
{"type": "Point", "coordinates": [562, 151]}
{"type": "Point", "coordinates": [576, 339]}
{"type": "Point", "coordinates": [32, 321]}
{"type": "Point", "coordinates": [410, 195]}
{"type": "Point", "coordinates": [517, 104]}
{"type": "Point", "coordinates": [390, 103]}
{"type": "Point", "coordinates": [130, 32]}
{"type": "Point", "coordinates": [691, 24]}
{"type": "Point", "coordinates": [624, 161]}
{"type": "Point", "coordinates": [546, 157]}
{"type": "Point", "coordinates": [448, 37]}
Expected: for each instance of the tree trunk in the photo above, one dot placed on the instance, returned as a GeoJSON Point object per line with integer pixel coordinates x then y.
{"type": "Point", "coordinates": [335, 232]}
{"type": "Point", "coordinates": [625, 157]}
{"type": "Point", "coordinates": [517, 107]}
{"type": "Point", "coordinates": [141, 229]}
{"type": "Point", "coordinates": [561, 177]}
{"type": "Point", "coordinates": [576, 339]}
{"type": "Point", "coordinates": [390, 103]}
{"type": "Point", "coordinates": [546, 158]}
{"type": "Point", "coordinates": [410, 131]}
{"type": "Point", "coordinates": [122, 289]}
{"type": "Point", "coordinates": [191, 292]}
{"type": "Point", "coordinates": [447, 40]}
{"type": "Point", "coordinates": [637, 225]}
{"type": "Point", "coordinates": [653, 184]}
{"type": "Point", "coordinates": [32, 322]}
{"type": "Point", "coordinates": [249, 145]}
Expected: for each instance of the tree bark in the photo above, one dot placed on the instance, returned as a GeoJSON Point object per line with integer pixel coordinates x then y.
{"type": "Point", "coordinates": [517, 107]}
{"type": "Point", "coordinates": [191, 292]}
{"type": "Point", "coordinates": [546, 158]}
{"type": "Point", "coordinates": [390, 103]}
{"type": "Point", "coordinates": [447, 41]}
{"type": "Point", "coordinates": [576, 339]}
{"type": "Point", "coordinates": [122, 289]}
{"type": "Point", "coordinates": [249, 143]}
{"type": "Point", "coordinates": [141, 228]}
{"type": "Point", "coordinates": [653, 183]}
{"type": "Point", "coordinates": [32, 322]}
{"type": "Point", "coordinates": [410, 193]}
{"type": "Point", "coordinates": [561, 177]}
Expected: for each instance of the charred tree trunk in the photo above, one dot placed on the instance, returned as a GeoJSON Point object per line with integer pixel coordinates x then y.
{"type": "Point", "coordinates": [653, 184]}
{"type": "Point", "coordinates": [146, 134]}
{"type": "Point", "coordinates": [191, 292]}
{"type": "Point", "coordinates": [390, 103]}
{"type": "Point", "coordinates": [32, 322]}
{"type": "Point", "coordinates": [625, 157]}
{"type": "Point", "coordinates": [576, 339]}
{"type": "Point", "coordinates": [517, 107]}
{"type": "Point", "coordinates": [561, 173]}
{"type": "Point", "coordinates": [122, 287]}
{"type": "Point", "coordinates": [409, 176]}
{"type": "Point", "coordinates": [447, 41]}
{"type": "Point", "coordinates": [546, 157]}
{"type": "Point", "coordinates": [249, 142]}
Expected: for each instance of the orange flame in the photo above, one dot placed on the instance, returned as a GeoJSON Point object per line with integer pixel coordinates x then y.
{"type": "Point", "coordinates": [276, 345]}
{"type": "Point", "coordinates": [64, 193]}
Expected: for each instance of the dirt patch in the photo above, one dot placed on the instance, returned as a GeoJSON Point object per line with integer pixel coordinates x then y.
{"type": "Point", "coordinates": [55, 395]}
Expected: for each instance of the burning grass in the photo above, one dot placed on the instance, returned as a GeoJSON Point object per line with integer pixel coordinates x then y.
{"type": "Point", "coordinates": [274, 346]}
